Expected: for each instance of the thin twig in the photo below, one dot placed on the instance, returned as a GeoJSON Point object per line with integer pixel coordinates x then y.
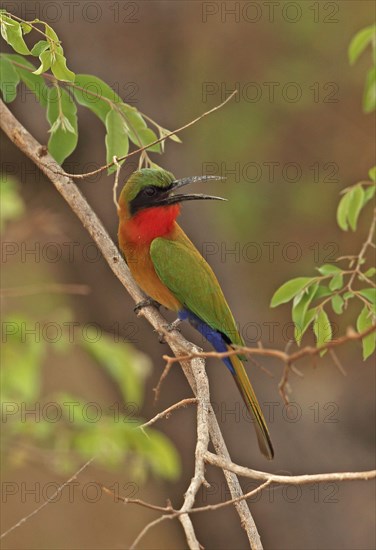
{"type": "Point", "coordinates": [164, 374]}
{"type": "Point", "coordinates": [360, 258]}
{"type": "Point", "coordinates": [49, 288]}
{"type": "Point", "coordinates": [116, 183]}
{"type": "Point", "coordinates": [146, 529]}
{"type": "Point", "coordinates": [337, 362]}
{"type": "Point", "coordinates": [287, 358]}
{"type": "Point", "coordinates": [48, 500]}
{"type": "Point", "coordinates": [166, 413]}
{"type": "Point", "coordinates": [141, 149]}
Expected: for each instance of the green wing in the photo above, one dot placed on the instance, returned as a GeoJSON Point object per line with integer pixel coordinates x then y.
{"type": "Point", "coordinates": [189, 277]}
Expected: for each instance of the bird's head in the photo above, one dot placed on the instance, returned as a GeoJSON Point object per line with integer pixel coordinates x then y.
{"type": "Point", "coordinates": [155, 188]}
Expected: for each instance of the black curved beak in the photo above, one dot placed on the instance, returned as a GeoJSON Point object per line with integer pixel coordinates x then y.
{"type": "Point", "coordinates": [173, 199]}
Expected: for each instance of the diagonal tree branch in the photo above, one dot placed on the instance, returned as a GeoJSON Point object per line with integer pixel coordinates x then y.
{"type": "Point", "coordinates": [73, 196]}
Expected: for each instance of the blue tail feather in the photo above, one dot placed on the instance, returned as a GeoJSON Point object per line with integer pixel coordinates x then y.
{"type": "Point", "coordinates": [214, 337]}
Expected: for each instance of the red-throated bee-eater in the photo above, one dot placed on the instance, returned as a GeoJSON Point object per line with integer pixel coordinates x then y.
{"type": "Point", "coordinates": [169, 268]}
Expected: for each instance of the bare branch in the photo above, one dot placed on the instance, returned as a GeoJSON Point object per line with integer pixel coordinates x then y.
{"type": "Point", "coordinates": [50, 499]}
{"type": "Point", "coordinates": [166, 413]}
{"type": "Point", "coordinates": [203, 438]}
{"type": "Point", "coordinates": [287, 358]}
{"type": "Point", "coordinates": [146, 529]}
{"type": "Point", "coordinates": [215, 460]}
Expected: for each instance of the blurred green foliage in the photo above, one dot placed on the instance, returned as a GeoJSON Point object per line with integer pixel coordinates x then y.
{"type": "Point", "coordinates": [64, 423]}
{"type": "Point", "coordinates": [11, 205]}
{"type": "Point", "coordinates": [68, 425]}
{"type": "Point", "coordinates": [364, 38]}
{"type": "Point", "coordinates": [335, 285]}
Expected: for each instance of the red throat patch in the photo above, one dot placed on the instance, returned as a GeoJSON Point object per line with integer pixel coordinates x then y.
{"type": "Point", "coordinates": [150, 223]}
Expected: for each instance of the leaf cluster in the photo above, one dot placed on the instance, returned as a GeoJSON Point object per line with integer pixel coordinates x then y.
{"type": "Point", "coordinates": [336, 285]}
{"type": "Point", "coordinates": [59, 90]}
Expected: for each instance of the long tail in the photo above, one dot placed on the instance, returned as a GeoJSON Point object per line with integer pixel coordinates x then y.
{"type": "Point", "coordinates": [250, 399]}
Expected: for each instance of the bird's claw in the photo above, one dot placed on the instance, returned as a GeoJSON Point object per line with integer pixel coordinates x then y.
{"type": "Point", "coordinates": [169, 328]}
{"type": "Point", "coordinates": [145, 303]}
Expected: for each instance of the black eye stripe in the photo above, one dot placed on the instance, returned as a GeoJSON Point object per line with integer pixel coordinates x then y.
{"type": "Point", "coordinates": [149, 191]}
{"type": "Point", "coordinates": [146, 197]}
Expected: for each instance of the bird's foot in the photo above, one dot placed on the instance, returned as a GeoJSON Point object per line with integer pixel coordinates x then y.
{"type": "Point", "coordinates": [169, 328]}
{"type": "Point", "coordinates": [145, 303]}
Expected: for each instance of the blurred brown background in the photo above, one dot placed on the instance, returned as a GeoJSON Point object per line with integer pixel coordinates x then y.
{"type": "Point", "coordinates": [298, 109]}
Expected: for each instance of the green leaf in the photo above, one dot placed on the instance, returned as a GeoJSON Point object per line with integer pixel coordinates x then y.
{"type": "Point", "coordinates": [26, 28]}
{"type": "Point", "coordinates": [336, 282]}
{"type": "Point", "coordinates": [11, 31]}
{"type": "Point", "coordinates": [137, 129]}
{"type": "Point", "coordinates": [329, 269]}
{"type": "Point", "coordinates": [322, 329]}
{"type": "Point", "coordinates": [369, 294]}
{"type": "Point", "coordinates": [360, 41]}
{"type": "Point", "coordinates": [51, 34]}
{"type": "Point", "coordinates": [39, 47]}
{"type": "Point", "coordinates": [369, 98]}
{"type": "Point", "coordinates": [45, 60]}
{"type": "Point", "coordinates": [299, 311]}
{"type": "Point", "coordinates": [363, 322]}
{"type": "Point", "coordinates": [163, 132]}
{"type": "Point", "coordinates": [62, 116]}
{"type": "Point", "coordinates": [348, 295]}
{"type": "Point", "coordinates": [337, 304]}
{"type": "Point", "coordinates": [117, 142]}
{"type": "Point", "coordinates": [60, 70]}
{"type": "Point", "coordinates": [33, 82]}
{"type": "Point", "coordinates": [349, 207]}
{"type": "Point", "coordinates": [355, 206]}
{"type": "Point", "coordinates": [342, 210]}
{"type": "Point", "coordinates": [370, 272]}
{"type": "Point", "coordinates": [9, 79]}
{"type": "Point", "coordinates": [322, 292]}
{"type": "Point", "coordinates": [308, 318]}
{"type": "Point", "coordinates": [94, 94]}
{"type": "Point", "coordinates": [290, 289]}
{"type": "Point", "coordinates": [175, 138]}
{"type": "Point", "coordinates": [372, 174]}
{"type": "Point", "coordinates": [369, 194]}
{"type": "Point", "coordinates": [146, 136]}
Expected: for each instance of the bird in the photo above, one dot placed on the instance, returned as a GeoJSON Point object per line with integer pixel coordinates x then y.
{"type": "Point", "coordinates": [171, 271]}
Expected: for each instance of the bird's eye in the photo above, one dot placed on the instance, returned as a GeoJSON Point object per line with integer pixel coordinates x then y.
{"type": "Point", "coordinates": [149, 191]}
